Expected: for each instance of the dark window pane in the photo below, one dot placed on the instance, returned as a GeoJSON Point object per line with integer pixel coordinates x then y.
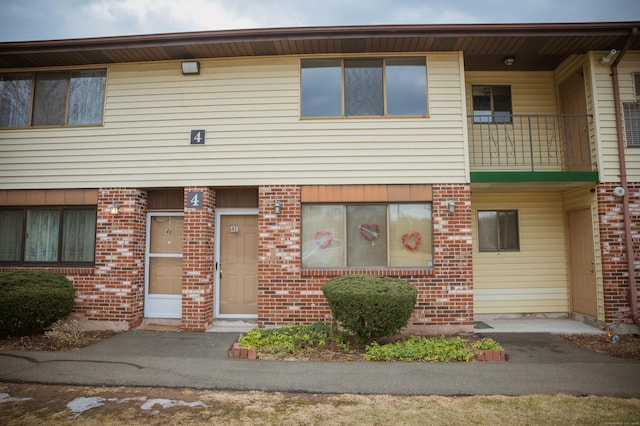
{"type": "Point", "coordinates": [321, 88]}
{"type": "Point", "coordinates": [406, 86]}
{"type": "Point", "coordinates": [508, 230]}
{"type": "Point", "coordinates": [502, 104]}
{"type": "Point", "coordinates": [11, 227]}
{"type": "Point", "coordinates": [632, 123]}
{"type": "Point", "coordinates": [78, 239]}
{"type": "Point", "coordinates": [363, 87]}
{"type": "Point", "coordinates": [86, 97]}
{"type": "Point", "coordinates": [15, 99]}
{"type": "Point", "coordinates": [367, 235]}
{"type": "Point", "coordinates": [49, 104]}
{"type": "Point", "coordinates": [481, 96]}
{"type": "Point", "coordinates": [41, 243]}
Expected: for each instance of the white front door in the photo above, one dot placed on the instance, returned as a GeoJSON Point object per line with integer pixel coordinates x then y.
{"type": "Point", "coordinates": [163, 266]}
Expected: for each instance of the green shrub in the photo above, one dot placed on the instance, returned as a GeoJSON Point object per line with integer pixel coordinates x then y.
{"type": "Point", "coordinates": [434, 349]}
{"type": "Point", "coordinates": [291, 339]}
{"type": "Point", "coordinates": [33, 300]}
{"type": "Point", "coordinates": [487, 344]}
{"type": "Point", "coordinates": [370, 306]}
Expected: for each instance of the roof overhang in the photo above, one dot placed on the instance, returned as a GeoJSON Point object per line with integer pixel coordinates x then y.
{"type": "Point", "coordinates": [535, 46]}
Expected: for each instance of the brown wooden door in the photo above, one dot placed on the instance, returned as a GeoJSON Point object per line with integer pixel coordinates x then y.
{"type": "Point", "coordinates": [582, 262]}
{"type": "Point", "coordinates": [575, 129]}
{"type": "Point", "coordinates": [238, 266]}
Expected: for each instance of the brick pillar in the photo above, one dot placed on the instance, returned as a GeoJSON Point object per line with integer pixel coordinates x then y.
{"type": "Point", "coordinates": [445, 299]}
{"type": "Point", "coordinates": [116, 291]}
{"type": "Point", "coordinates": [197, 262]}
{"type": "Point", "coordinates": [279, 254]}
{"type": "Point", "coordinates": [615, 273]}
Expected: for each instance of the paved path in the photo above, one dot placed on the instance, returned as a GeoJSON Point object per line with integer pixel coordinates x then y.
{"type": "Point", "coordinates": [537, 364]}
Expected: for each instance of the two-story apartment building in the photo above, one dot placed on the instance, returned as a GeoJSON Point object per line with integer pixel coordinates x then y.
{"type": "Point", "coordinates": [230, 174]}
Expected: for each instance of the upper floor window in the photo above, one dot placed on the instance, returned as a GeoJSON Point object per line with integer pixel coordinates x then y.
{"type": "Point", "coordinates": [491, 104]}
{"type": "Point", "coordinates": [52, 98]}
{"type": "Point", "coordinates": [54, 235]}
{"type": "Point", "coordinates": [632, 116]}
{"type": "Point", "coordinates": [367, 235]}
{"type": "Point", "coordinates": [364, 87]}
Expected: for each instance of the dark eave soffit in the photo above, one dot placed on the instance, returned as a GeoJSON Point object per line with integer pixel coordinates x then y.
{"type": "Point", "coordinates": [535, 46]}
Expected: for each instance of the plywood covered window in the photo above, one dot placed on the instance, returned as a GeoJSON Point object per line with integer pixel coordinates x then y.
{"type": "Point", "coordinates": [52, 98]}
{"type": "Point", "coordinates": [364, 87]}
{"type": "Point", "coordinates": [367, 235]}
{"type": "Point", "coordinates": [42, 235]}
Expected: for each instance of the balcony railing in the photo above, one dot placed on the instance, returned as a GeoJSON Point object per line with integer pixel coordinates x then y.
{"type": "Point", "coordinates": [530, 142]}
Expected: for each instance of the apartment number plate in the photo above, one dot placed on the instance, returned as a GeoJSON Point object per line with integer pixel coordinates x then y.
{"type": "Point", "coordinates": [198, 137]}
{"type": "Point", "coordinates": [234, 228]}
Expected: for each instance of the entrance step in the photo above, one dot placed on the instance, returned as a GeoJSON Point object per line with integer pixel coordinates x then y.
{"type": "Point", "coordinates": [159, 324]}
{"type": "Point", "coordinates": [232, 326]}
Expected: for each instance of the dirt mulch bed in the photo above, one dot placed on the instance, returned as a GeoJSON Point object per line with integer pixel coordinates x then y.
{"type": "Point", "coordinates": [38, 342]}
{"type": "Point", "coordinates": [628, 345]}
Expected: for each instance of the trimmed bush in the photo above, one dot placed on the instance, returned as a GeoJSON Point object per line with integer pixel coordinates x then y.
{"type": "Point", "coordinates": [33, 300]}
{"type": "Point", "coordinates": [370, 306]}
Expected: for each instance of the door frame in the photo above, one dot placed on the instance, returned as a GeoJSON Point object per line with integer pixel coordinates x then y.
{"type": "Point", "coordinates": [216, 302]}
{"type": "Point", "coordinates": [168, 300]}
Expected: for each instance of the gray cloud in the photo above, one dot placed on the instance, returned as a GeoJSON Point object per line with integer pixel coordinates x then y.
{"type": "Point", "coordinates": [46, 19]}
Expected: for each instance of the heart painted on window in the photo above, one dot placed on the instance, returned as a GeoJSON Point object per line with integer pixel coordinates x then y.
{"type": "Point", "coordinates": [370, 231]}
{"type": "Point", "coordinates": [323, 238]}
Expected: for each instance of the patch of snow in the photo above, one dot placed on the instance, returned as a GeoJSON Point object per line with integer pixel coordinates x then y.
{"type": "Point", "coordinates": [168, 403]}
{"type": "Point", "coordinates": [82, 404]}
{"type": "Point", "coordinates": [4, 397]}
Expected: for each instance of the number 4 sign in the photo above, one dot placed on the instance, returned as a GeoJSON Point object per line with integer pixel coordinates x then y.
{"type": "Point", "coordinates": [194, 199]}
{"type": "Point", "coordinates": [197, 137]}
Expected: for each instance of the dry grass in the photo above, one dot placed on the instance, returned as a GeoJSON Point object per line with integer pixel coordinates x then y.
{"type": "Point", "coordinates": [260, 408]}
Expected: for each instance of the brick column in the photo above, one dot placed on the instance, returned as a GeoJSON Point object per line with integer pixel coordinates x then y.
{"type": "Point", "coordinates": [197, 262]}
{"type": "Point", "coordinates": [115, 292]}
{"type": "Point", "coordinates": [445, 299]}
{"type": "Point", "coordinates": [279, 281]}
{"type": "Point", "coordinates": [614, 253]}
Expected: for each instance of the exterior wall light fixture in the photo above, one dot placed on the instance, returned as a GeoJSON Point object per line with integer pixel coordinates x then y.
{"type": "Point", "coordinates": [509, 60]}
{"type": "Point", "coordinates": [114, 208]}
{"type": "Point", "coordinates": [190, 67]}
{"type": "Point", "coordinates": [451, 206]}
{"type": "Point", "coordinates": [277, 207]}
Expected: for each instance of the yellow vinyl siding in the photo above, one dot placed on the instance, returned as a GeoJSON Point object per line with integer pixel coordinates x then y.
{"type": "Point", "coordinates": [533, 279]}
{"type": "Point", "coordinates": [250, 111]}
{"type": "Point", "coordinates": [531, 93]}
{"type": "Point", "coordinates": [604, 115]}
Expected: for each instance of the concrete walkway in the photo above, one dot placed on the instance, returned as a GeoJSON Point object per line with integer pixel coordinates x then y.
{"type": "Point", "coordinates": [538, 363]}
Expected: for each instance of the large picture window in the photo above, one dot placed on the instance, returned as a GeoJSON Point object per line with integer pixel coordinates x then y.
{"type": "Point", "coordinates": [364, 87]}
{"type": "Point", "coordinates": [498, 230]}
{"type": "Point", "coordinates": [367, 235]}
{"type": "Point", "coordinates": [60, 235]}
{"type": "Point", "coordinates": [52, 98]}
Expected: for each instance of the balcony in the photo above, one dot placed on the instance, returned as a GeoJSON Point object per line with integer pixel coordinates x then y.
{"type": "Point", "coordinates": [530, 148]}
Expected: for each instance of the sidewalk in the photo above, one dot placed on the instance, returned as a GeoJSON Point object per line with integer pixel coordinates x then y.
{"type": "Point", "coordinates": [538, 363]}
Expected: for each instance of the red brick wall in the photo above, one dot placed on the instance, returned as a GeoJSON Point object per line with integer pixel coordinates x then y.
{"type": "Point", "coordinates": [115, 289]}
{"type": "Point", "coordinates": [614, 255]}
{"type": "Point", "coordinates": [287, 294]}
{"type": "Point", "coordinates": [197, 262]}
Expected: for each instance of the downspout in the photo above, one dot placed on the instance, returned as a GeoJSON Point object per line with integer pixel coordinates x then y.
{"type": "Point", "coordinates": [633, 291]}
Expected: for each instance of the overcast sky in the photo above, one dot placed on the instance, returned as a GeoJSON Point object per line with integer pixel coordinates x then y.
{"type": "Point", "coordinates": [60, 19]}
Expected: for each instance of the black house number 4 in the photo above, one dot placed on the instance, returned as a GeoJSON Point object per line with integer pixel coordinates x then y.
{"type": "Point", "coordinates": [198, 137]}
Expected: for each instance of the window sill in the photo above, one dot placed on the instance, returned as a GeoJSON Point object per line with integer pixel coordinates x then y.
{"type": "Point", "coordinates": [64, 270]}
{"type": "Point", "coordinates": [389, 272]}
